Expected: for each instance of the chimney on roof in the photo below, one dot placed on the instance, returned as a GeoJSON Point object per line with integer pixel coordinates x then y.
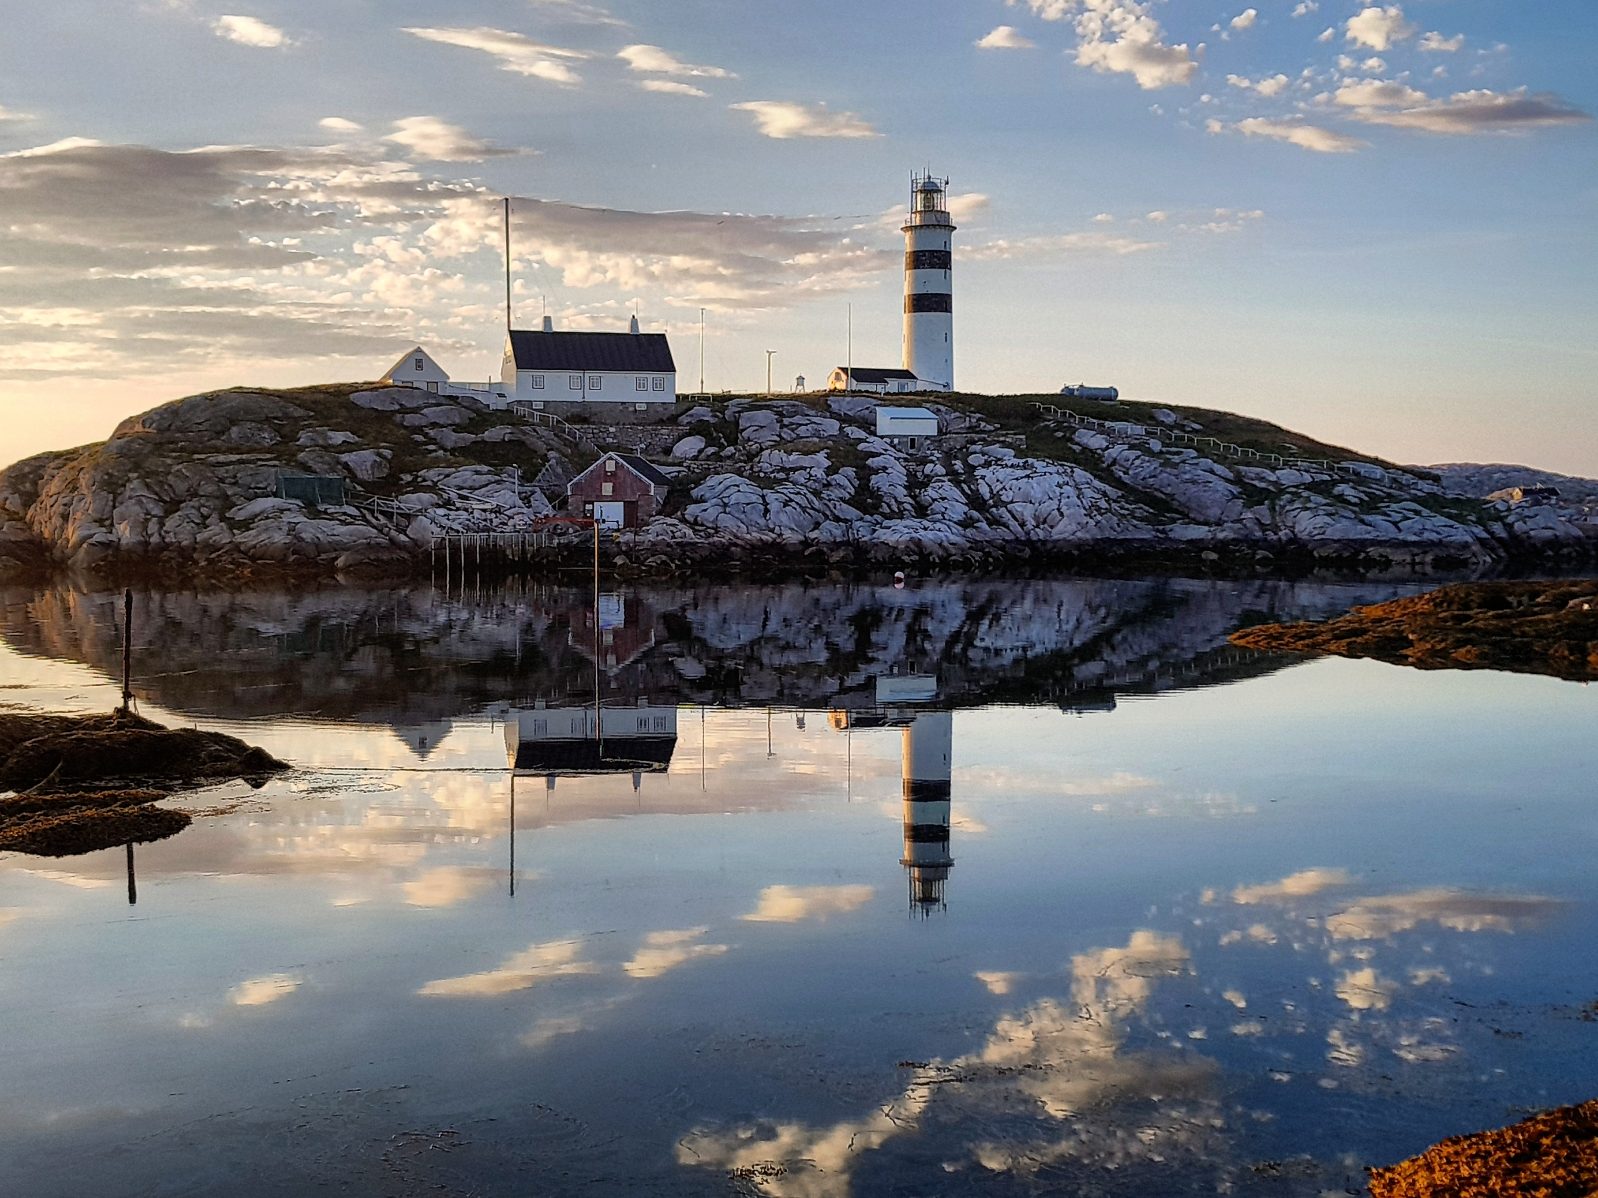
{"type": "Point", "coordinates": [549, 323]}
{"type": "Point", "coordinates": [632, 325]}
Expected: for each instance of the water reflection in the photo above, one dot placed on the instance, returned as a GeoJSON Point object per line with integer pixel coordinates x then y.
{"type": "Point", "coordinates": [1277, 924]}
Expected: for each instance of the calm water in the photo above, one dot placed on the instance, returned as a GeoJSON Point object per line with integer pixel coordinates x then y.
{"type": "Point", "coordinates": [966, 888]}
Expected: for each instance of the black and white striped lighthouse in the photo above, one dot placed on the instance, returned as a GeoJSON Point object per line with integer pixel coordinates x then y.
{"type": "Point", "coordinates": [928, 285]}
{"type": "Point", "coordinates": [925, 767]}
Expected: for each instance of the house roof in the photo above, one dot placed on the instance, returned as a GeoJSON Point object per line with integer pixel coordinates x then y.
{"type": "Point", "coordinates": [621, 352]}
{"type": "Point", "coordinates": [613, 755]}
{"type": "Point", "coordinates": [403, 363]}
{"type": "Point", "coordinates": [871, 374]}
{"type": "Point", "coordinates": [907, 413]}
{"type": "Point", "coordinates": [644, 470]}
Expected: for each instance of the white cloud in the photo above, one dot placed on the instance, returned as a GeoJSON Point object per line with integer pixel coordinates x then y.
{"type": "Point", "coordinates": [1304, 7]}
{"type": "Point", "coordinates": [654, 60]}
{"type": "Point", "coordinates": [1379, 916]}
{"type": "Point", "coordinates": [791, 904]}
{"type": "Point", "coordinates": [1304, 884]}
{"type": "Point", "coordinates": [1122, 37]}
{"type": "Point", "coordinates": [665, 950]}
{"type": "Point", "coordinates": [1294, 132]}
{"type": "Point", "coordinates": [435, 140]}
{"type": "Point", "coordinates": [1377, 93]}
{"type": "Point", "coordinates": [1004, 249]}
{"type": "Point", "coordinates": [579, 13]}
{"type": "Point", "coordinates": [250, 31]}
{"type": "Point", "coordinates": [1245, 19]}
{"type": "Point", "coordinates": [258, 992]}
{"type": "Point", "coordinates": [338, 124]}
{"type": "Point", "coordinates": [1326, 35]}
{"type": "Point", "coordinates": [1378, 28]}
{"type": "Point", "coordinates": [1481, 112]}
{"type": "Point", "coordinates": [1005, 37]}
{"type": "Point", "coordinates": [447, 885]}
{"type": "Point", "coordinates": [671, 87]}
{"type": "Point", "coordinates": [783, 119]}
{"type": "Point", "coordinates": [1436, 43]}
{"type": "Point", "coordinates": [521, 971]}
{"type": "Point", "coordinates": [998, 981]}
{"type": "Point", "coordinates": [514, 52]}
{"type": "Point", "coordinates": [11, 114]}
{"type": "Point", "coordinates": [1274, 85]}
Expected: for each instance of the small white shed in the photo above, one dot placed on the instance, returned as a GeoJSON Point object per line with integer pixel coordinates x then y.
{"type": "Point", "coordinates": [907, 426]}
{"type": "Point", "coordinates": [417, 369]}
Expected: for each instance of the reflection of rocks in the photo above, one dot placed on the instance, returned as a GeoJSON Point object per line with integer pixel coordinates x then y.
{"type": "Point", "coordinates": [410, 658]}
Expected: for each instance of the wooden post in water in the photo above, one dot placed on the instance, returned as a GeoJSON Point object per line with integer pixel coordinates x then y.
{"type": "Point", "coordinates": [127, 654]}
{"type": "Point", "coordinates": [133, 886]}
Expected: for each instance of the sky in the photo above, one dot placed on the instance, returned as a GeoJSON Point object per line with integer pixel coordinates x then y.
{"type": "Point", "coordinates": [1375, 224]}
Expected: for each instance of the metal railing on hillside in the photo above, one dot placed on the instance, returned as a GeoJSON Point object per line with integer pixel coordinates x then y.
{"type": "Point", "coordinates": [1130, 430]}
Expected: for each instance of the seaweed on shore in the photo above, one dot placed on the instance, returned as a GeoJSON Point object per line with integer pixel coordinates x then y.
{"type": "Point", "coordinates": [1550, 1155]}
{"type": "Point", "coordinates": [92, 782]}
{"type": "Point", "coordinates": [1522, 627]}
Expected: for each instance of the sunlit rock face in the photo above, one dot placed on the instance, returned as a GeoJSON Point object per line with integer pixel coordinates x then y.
{"type": "Point", "coordinates": [180, 486]}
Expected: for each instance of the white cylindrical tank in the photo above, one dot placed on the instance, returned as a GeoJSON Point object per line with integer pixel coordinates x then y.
{"type": "Point", "coordinates": [929, 285]}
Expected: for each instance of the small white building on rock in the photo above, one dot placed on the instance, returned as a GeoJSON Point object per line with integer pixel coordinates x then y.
{"type": "Point", "coordinates": [908, 428]}
{"type": "Point", "coordinates": [417, 368]}
{"type": "Point", "coordinates": [883, 381]}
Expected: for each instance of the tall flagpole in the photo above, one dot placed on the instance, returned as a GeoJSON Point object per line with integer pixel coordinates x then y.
{"type": "Point", "coordinates": [507, 265]}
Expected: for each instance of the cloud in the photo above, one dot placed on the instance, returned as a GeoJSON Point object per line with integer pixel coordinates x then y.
{"type": "Point", "coordinates": [1436, 43]}
{"type": "Point", "coordinates": [447, 885]}
{"type": "Point", "coordinates": [1481, 112]}
{"type": "Point", "coordinates": [1378, 28]}
{"type": "Point", "coordinates": [792, 904]}
{"type": "Point", "coordinates": [579, 13]}
{"type": "Point", "coordinates": [514, 52]}
{"type": "Point", "coordinates": [671, 87]}
{"type": "Point", "coordinates": [1245, 19]}
{"type": "Point", "coordinates": [250, 31]}
{"type": "Point", "coordinates": [1380, 916]}
{"type": "Point", "coordinates": [1304, 7]}
{"type": "Point", "coordinates": [1294, 132]}
{"type": "Point", "coordinates": [1005, 37]}
{"type": "Point", "coordinates": [11, 114]}
{"type": "Point", "coordinates": [783, 119]}
{"type": "Point", "coordinates": [338, 124]}
{"type": "Point", "coordinates": [258, 992]}
{"type": "Point", "coordinates": [1377, 93]}
{"type": "Point", "coordinates": [435, 140]}
{"type": "Point", "coordinates": [665, 950]}
{"type": "Point", "coordinates": [521, 971]}
{"type": "Point", "coordinates": [1304, 884]}
{"type": "Point", "coordinates": [1122, 37]}
{"type": "Point", "coordinates": [1275, 85]}
{"type": "Point", "coordinates": [654, 60]}
{"type": "Point", "coordinates": [998, 981]}
{"type": "Point", "coordinates": [1092, 242]}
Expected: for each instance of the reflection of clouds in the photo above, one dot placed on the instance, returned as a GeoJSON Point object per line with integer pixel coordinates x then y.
{"type": "Point", "coordinates": [76, 881]}
{"type": "Point", "coordinates": [665, 950]}
{"type": "Point", "coordinates": [447, 885]}
{"type": "Point", "coordinates": [1366, 990]}
{"type": "Point", "coordinates": [791, 904]}
{"type": "Point", "coordinates": [534, 964]}
{"type": "Point", "coordinates": [1380, 916]}
{"type": "Point", "coordinates": [1235, 997]}
{"type": "Point", "coordinates": [1064, 1060]}
{"type": "Point", "coordinates": [546, 1031]}
{"type": "Point", "coordinates": [1016, 782]}
{"type": "Point", "coordinates": [1305, 883]}
{"type": "Point", "coordinates": [1258, 933]}
{"type": "Point", "coordinates": [258, 992]}
{"type": "Point", "coordinates": [1425, 975]}
{"type": "Point", "coordinates": [998, 981]}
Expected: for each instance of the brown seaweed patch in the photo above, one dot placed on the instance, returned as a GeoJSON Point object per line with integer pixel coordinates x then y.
{"type": "Point", "coordinates": [1522, 627]}
{"type": "Point", "coordinates": [64, 825]}
{"type": "Point", "coordinates": [1551, 1155]}
{"type": "Point", "coordinates": [52, 752]}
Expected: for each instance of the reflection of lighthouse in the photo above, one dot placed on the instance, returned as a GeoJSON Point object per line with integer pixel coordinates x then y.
{"type": "Point", "coordinates": [928, 744]}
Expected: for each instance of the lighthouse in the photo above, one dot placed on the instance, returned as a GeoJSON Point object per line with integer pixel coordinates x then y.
{"type": "Point", "coordinates": [926, 763]}
{"type": "Point", "coordinates": [928, 285]}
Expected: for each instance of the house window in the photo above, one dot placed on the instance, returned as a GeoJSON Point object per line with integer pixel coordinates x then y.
{"type": "Point", "coordinates": [576, 382]}
{"type": "Point", "coordinates": [641, 383]}
{"type": "Point", "coordinates": [419, 364]}
{"type": "Point", "coordinates": [660, 384]}
{"type": "Point", "coordinates": [610, 465]}
{"type": "Point", "coordinates": [607, 489]}
{"type": "Point", "coordinates": [538, 382]}
{"type": "Point", "coordinates": [594, 382]}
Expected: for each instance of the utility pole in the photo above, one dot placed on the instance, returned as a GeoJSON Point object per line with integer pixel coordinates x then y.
{"type": "Point", "coordinates": [701, 351]}
{"type": "Point", "coordinates": [769, 354]}
{"type": "Point", "coordinates": [848, 369]}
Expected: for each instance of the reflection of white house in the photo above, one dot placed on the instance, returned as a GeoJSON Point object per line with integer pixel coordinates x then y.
{"type": "Point", "coordinates": [567, 742]}
{"type": "Point", "coordinates": [543, 367]}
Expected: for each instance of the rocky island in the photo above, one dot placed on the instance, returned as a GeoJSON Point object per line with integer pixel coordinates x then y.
{"type": "Point", "coordinates": [194, 489]}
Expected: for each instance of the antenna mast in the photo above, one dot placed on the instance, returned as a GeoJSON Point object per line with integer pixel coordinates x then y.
{"type": "Point", "coordinates": [507, 265]}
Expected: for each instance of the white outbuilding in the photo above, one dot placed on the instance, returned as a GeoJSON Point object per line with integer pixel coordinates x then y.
{"type": "Point", "coordinates": [907, 427]}
{"type": "Point", "coordinates": [600, 374]}
{"type": "Point", "coordinates": [417, 369]}
{"type": "Point", "coordinates": [882, 380]}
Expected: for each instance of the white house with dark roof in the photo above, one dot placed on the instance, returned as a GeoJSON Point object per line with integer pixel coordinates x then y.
{"type": "Point", "coordinates": [611, 372]}
{"type": "Point", "coordinates": [870, 378]}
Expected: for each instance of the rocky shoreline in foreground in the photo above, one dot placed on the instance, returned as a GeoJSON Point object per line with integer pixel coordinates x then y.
{"type": "Point", "coordinates": [765, 487]}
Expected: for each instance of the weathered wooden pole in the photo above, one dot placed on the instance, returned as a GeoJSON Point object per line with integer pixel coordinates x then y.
{"type": "Point", "coordinates": [127, 650]}
{"type": "Point", "coordinates": [133, 886]}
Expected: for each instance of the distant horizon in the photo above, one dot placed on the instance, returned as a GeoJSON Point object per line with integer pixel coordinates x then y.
{"type": "Point", "coordinates": [1375, 225]}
